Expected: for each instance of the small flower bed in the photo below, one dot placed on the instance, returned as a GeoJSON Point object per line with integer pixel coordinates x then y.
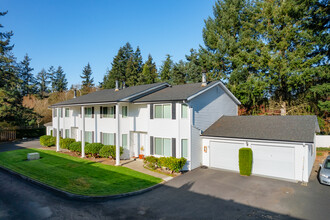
{"type": "Point", "coordinates": [170, 163]}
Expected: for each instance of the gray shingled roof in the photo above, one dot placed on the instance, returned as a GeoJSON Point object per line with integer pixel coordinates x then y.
{"type": "Point", "coordinates": [280, 128]}
{"type": "Point", "coordinates": [110, 95]}
{"type": "Point", "coordinates": [175, 93]}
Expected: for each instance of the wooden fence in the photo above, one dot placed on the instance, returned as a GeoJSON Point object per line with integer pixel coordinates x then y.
{"type": "Point", "coordinates": [7, 135]}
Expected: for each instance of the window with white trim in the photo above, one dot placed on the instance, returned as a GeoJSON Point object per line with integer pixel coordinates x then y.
{"type": "Point", "coordinates": [163, 147]}
{"type": "Point", "coordinates": [124, 111]}
{"type": "Point", "coordinates": [89, 136]}
{"type": "Point", "coordinates": [184, 148]}
{"type": "Point", "coordinates": [184, 111]}
{"type": "Point", "coordinates": [108, 138]}
{"type": "Point", "coordinates": [163, 111]}
{"type": "Point", "coordinates": [88, 112]}
{"type": "Point", "coordinates": [67, 112]}
{"type": "Point", "coordinates": [67, 133]}
{"type": "Point", "coordinates": [55, 112]}
{"type": "Point", "coordinates": [124, 140]}
{"type": "Point", "coordinates": [108, 112]}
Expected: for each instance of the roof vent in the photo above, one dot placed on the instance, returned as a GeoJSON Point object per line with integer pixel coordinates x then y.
{"type": "Point", "coordinates": [124, 84]}
{"type": "Point", "coordinates": [75, 93]}
{"type": "Point", "coordinates": [204, 78]}
{"type": "Point", "coordinates": [117, 86]}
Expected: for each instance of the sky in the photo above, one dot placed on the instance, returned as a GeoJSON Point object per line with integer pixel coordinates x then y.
{"type": "Point", "coordinates": [71, 33]}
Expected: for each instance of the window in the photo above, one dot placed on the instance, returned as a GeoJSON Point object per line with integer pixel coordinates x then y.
{"type": "Point", "coordinates": [163, 147]}
{"type": "Point", "coordinates": [124, 140]}
{"type": "Point", "coordinates": [108, 139]}
{"type": "Point", "coordinates": [55, 112]}
{"type": "Point", "coordinates": [60, 112]}
{"type": "Point", "coordinates": [67, 133]}
{"type": "Point", "coordinates": [88, 112]}
{"type": "Point", "coordinates": [66, 112]}
{"type": "Point", "coordinates": [89, 136]}
{"type": "Point", "coordinates": [184, 111]}
{"type": "Point", "coordinates": [184, 148]}
{"type": "Point", "coordinates": [163, 111]}
{"type": "Point", "coordinates": [124, 111]}
{"type": "Point", "coordinates": [108, 112]}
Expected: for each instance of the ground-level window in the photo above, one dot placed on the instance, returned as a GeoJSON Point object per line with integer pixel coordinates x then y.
{"type": "Point", "coordinates": [184, 148]}
{"type": "Point", "coordinates": [108, 138]}
{"type": "Point", "coordinates": [66, 112]}
{"type": "Point", "coordinates": [67, 133]}
{"type": "Point", "coordinates": [124, 111]}
{"type": "Point", "coordinates": [89, 136]}
{"type": "Point", "coordinates": [124, 140]}
{"type": "Point", "coordinates": [163, 111]}
{"type": "Point", "coordinates": [163, 147]}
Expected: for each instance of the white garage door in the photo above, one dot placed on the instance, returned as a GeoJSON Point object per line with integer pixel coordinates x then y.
{"type": "Point", "coordinates": [275, 161]}
{"type": "Point", "coordinates": [224, 155]}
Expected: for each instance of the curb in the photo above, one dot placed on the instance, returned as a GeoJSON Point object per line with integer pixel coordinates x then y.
{"type": "Point", "coordinates": [73, 196]}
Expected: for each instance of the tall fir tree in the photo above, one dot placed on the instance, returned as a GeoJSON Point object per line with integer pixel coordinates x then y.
{"type": "Point", "coordinates": [42, 83]}
{"type": "Point", "coordinates": [88, 80]}
{"type": "Point", "coordinates": [52, 76]}
{"type": "Point", "coordinates": [178, 75]}
{"type": "Point", "coordinates": [149, 73]}
{"type": "Point", "coordinates": [134, 68]}
{"type": "Point", "coordinates": [166, 69]}
{"type": "Point", "coordinates": [61, 81]}
{"type": "Point", "coordinates": [28, 82]}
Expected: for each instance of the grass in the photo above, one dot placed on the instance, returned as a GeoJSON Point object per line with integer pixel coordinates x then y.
{"type": "Point", "coordinates": [76, 175]}
{"type": "Point", "coordinates": [323, 149]}
{"type": "Point", "coordinates": [319, 153]}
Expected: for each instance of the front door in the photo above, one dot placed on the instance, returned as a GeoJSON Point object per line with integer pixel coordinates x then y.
{"type": "Point", "coordinates": [139, 143]}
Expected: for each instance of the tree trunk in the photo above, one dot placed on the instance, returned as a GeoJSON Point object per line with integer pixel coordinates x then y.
{"type": "Point", "coordinates": [283, 108]}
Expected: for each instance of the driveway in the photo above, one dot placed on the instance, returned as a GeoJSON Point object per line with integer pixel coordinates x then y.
{"type": "Point", "coordinates": [20, 144]}
{"type": "Point", "coordinates": [199, 194]}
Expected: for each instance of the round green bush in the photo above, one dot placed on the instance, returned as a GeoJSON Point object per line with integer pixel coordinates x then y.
{"type": "Point", "coordinates": [44, 139]}
{"type": "Point", "coordinates": [93, 148]}
{"type": "Point", "coordinates": [110, 151]}
{"type": "Point", "coordinates": [65, 143]}
{"type": "Point", "coordinates": [76, 146]}
{"type": "Point", "coordinates": [50, 142]}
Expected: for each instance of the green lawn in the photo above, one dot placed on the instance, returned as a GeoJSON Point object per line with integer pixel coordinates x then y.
{"type": "Point", "coordinates": [76, 175]}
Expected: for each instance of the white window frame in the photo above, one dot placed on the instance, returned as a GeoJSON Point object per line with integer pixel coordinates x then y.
{"type": "Point", "coordinates": [67, 135]}
{"type": "Point", "coordinates": [184, 139]}
{"type": "Point", "coordinates": [122, 111]}
{"type": "Point", "coordinates": [91, 133]}
{"type": "Point", "coordinates": [163, 104]}
{"type": "Point", "coordinates": [187, 108]}
{"type": "Point", "coordinates": [162, 139]}
{"type": "Point", "coordinates": [122, 140]}
{"type": "Point", "coordinates": [87, 115]}
{"type": "Point", "coordinates": [67, 110]}
{"type": "Point", "coordinates": [55, 112]}
{"type": "Point", "coordinates": [103, 135]}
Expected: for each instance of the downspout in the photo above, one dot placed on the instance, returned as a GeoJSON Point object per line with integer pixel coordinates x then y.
{"type": "Point", "coordinates": [58, 130]}
{"type": "Point", "coordinates": [117, 136]}
{"type": "Point", "coordinates": [83, 132]}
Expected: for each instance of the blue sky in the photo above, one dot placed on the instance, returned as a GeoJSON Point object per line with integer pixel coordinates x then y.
{"type": "Point", "coordinates": [72, 33]}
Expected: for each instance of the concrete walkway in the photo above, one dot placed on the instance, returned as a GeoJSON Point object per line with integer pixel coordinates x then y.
{"type": "Point", "coordinates": [138, 166]}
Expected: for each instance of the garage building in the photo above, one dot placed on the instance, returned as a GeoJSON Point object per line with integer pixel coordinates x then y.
{"type": "Point", "coordinates": [282, 146]}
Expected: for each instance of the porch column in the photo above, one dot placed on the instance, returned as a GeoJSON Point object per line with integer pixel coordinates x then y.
{"type": "Point", "coordinates": [58, 130]}
{"type": "Point", "coordinates": [83, 132]}
{"type": "Point", "coordinates": [117, 135]}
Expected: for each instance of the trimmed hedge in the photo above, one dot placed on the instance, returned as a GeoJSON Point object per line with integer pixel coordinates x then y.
{"type": "Point", "coordinates": [75, 146]}
{"type": "Point", "coordinates": [47, 141]}
{"type": "Point", "coordinates": [171, 163]}
{"type": "Point", "coordinates": [93, 148]}
{"type": "Point", "coordinates": [65, 143]}
{"type": "Point", "coordinates": [245, 161]}
{"type": "Point", "coordinates": [110, 151]}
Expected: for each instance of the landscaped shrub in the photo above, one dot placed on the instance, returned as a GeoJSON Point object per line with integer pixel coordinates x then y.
{"type": "Point", "coordinates": [110, 151]}
{"type": "Point", "coordinates": [47, 141]}
{"type": "Point", "coordinates": [93, 148]}
{"type": "Point", "coordinates": [245, 161]}
{"type": "Point", "coordinates": [65, 143]}
{"type": "Point", "coordinates": [171, 163]}
{"type": "Point", "coordinates": [76, 146]}
{"type": "Point", "coordinates": [151, 162]}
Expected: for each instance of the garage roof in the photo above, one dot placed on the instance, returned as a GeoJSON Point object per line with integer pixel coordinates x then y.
{"type": "Point", "coordinates": [279, 128]}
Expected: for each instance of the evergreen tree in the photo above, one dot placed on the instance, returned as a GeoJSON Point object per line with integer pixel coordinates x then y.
{"type": "Point", "coordinates": [149, 73]}
{"type": "Point", "coordinates": [52, 77]}
{"type": "Point", "coordinates": [61, 81]}
{"type": "Point", "coordinates": [28, 82]}
{"type": "Point", "coordinates": [88, 81]}
{"type": "Point", "coordinates": [166, 69]}
{"type": "Point", "coordinates": [42, 83]}
{"type": "Point", "coordinates": [179, 73]}
{"type": "Point", "coordinates": [12, 112]}
{"type": "Point", "coordinates": [193, 69]}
